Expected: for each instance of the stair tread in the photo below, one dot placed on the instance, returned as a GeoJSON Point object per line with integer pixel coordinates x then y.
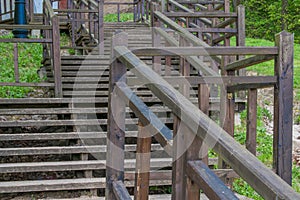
{"type": "Point", "coordinates": [66, 150]}
{"type": "Point", "coordinates": [63, 184]}
{"type": "Point", "coordinates": [75, 165]}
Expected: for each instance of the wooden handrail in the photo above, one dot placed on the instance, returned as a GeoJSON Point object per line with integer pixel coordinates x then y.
{"type": "Point", "coordinates": [184, 33]}
{"type": "Point", "coordinates": [261, 178]}
{"type": "Point", "coordinates": [204, 51]}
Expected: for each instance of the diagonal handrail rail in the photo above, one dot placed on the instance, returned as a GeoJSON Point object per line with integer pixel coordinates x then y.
{"type": "Point", "coordinates": [261, 178]}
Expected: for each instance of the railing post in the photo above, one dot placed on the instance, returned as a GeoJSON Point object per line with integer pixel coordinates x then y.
{"type": "Point", "coordinates": [251, 120]}
{"type": "Point", "coordinates": [227, 103]}
{"type": "Point", "coordinates": [240, 40]}
{"type": "Point", "coordinates": [101, 26]}
{"type": "Point", "coordinates": [142, 169]}
{"type": "Point", "coordinates": [56, 56]}
{"type": "Point", "coordinates": [283, 106]}
{"type": "Point", "coordinates": [116, 120]}
{"type": "Point", "coordinates": [155, 39]}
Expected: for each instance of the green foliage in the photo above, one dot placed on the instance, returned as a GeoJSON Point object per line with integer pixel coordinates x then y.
{"type": "Point", "coordinates": [263, 18]}
{"type": "Point", "coordinates": [267, 68]}
{"type": "Point", "coordinates": [124, 17]}
{"type": "Point", "coordinates": [30, 57]}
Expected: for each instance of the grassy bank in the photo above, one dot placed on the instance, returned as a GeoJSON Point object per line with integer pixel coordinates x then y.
{"type": "Point", "coordinates": [30, 57]}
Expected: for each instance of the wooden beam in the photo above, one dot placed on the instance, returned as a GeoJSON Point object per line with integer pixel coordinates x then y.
{"type": "Point", "coordinates": [159, 130]}
{"type": "Point", "coordinates": [142, 169]}
{"type": "Point", "coordinates": [251, 121]}
{"type": "Point", "coordinates": [120, 191]}
{"type": "Point", "coordinates": [225, 23]}
{"type": "Point", "coordinates": [116, 120]}
{"type": "Point", "coordinates": [193, 60]}
{"type": "Point", "coordinates": [246, 62]}
{"type": "Point", "coordinates": [260, 177]}
{"type": "Point", "coordinates": [208, 181]}
{"type": "Point", "coordinates": [207, 14]}
{"type": "Point", "coordinates": [204, 51]}
{"type": "Point", "coordinates": [283, 106]}
{"type": "Point", "coordinates": [25, 40]}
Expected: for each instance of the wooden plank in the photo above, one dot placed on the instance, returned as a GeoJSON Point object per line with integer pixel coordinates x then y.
{"type": "Point", "coordinates": [204, 51]}
{"type": "Point", "coordinates": [62, 184]}
{"type": "Point", "coordinates": [261, 178]}
{"type": "Point", "coordinates": [183, 8]}
{"type": "Point", "coordinates": [27, 84]}
{"type": "Point", "coordinates": [51, 185]}
{"type": "Point", "coordinates": [212, 30]}
{"type": "Point", "coordinates": [225, 23]}
{"type": "Point", "coordinates": [116, 120]}
{"type": "Point", "coordinates": [207, 14]}
{"type": "Point", "coordinates": [251, 121]}
{"type": "Point", "coordinates": [25, 26]}
{"type": "Point", "coordinates": [52, 136]}
{"type": "Point", "coordinates": [155, 163]}
{"type": "Point", "coordinates": [16, 63]}
{"type": "Point", "coordinates": [283, 107]}
{"type": "Point", "coordinates": [193, 60]}
{"type": "Point", "coordinates": [56, 57]}
{"type": "Point", "coordinates": [160, 131]}
{"type": "Point", "coordinates": [210, 184]}
{"type": "Point", "coordinates": [142, 170]}
{"type": "Point", "coordinates": [66, 150]}
{"type": "Point", "coordinates": [199, 2]}
{"type": "Point", "coordinates": [120, 191]}
{"type": "Point", "coordinates": [246, 62]}
{"type": "Point", "coordinates": [25, 40]}
{"type": "Point", "coordinates": [6, 101]}
{"type": "Point", "coordinates": [51, 166]}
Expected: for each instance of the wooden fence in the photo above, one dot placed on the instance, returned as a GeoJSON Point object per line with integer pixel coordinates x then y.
{"type": "Point", "coordinates": [189, 171]}
{"type": "Point", "coordinates": [51, 47]}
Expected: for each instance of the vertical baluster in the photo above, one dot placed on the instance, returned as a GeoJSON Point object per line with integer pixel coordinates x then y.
{"type": "Point", "coordinates": [116, 121]}
{"type": "Point", "coordinates": [142, 169]}
{"type": "Point", "coordinates": [283, 106]}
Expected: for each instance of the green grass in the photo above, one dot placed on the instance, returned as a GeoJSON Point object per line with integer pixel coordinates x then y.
{"type": "Point", "coordinates": [30, 57]}
{"type": "Point", "coordinates": [264, 152]}
{"type": "Point", "coordinates": [124, 17]}
{"type": "Point", "coordinates": [267, 68]}
{"type": "Point", "coordinates": [264, 141]}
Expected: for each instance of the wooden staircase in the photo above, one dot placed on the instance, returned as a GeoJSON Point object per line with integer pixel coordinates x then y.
{"type": "Point", "coordinates": [58, 144]}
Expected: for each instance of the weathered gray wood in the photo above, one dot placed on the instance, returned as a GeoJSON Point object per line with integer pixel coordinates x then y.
{"type": "Point", "coordinates": [212, 30]}
{"type": "Point", "coordinates": [210, 184]}
{"type": "Point", "coordinates": [193, 60]}
{"type": "Point", "coordinates": [116, 120]}
{"type": "Point", "coordinates": [51, 185]}
{"type": "Point", "coordinates": [51, 166]}
{"type": "Point", "coordinates": [204, 51]}
{"type": "Point", "coordinates": [179, 160]}
{"type": "Point", "coordinates": [155, 163]}
{"type": "Point", "coordinates": [142, 170]}
{"type": "Point", "coordinates": [160, 131]}
{"type": "Point", "coordinates": [120, 191]}
{"type": "Point", "coordinates": [27, 84]}
{"type": "Point", "coordinates": [63, 184]}
{"type": "Point", "coordinates": [283, 107]}
{"type": "Point", "coordinates": [206, 14]}
{"type": "Point", "coordinates": [251, 121]}
{"type": "Point", "coordinates": [27, 26]}
{"type": "Point", "coordinates": [225, 23]}
{"type": "Point", "coordinates": [101, 26]}
{"type": "Point", "coordinates": [52, 136]}
{"type": "Point", "coordinates": [66, 150]}
{"type": "Point", "coordinates": [246, 62]}
{"type": "Point", "coordinates": [262, 179]}
{"type": "Point", "coordinates": [56, 57]}
{"type": "Point", "coordinates": [16, 63]}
